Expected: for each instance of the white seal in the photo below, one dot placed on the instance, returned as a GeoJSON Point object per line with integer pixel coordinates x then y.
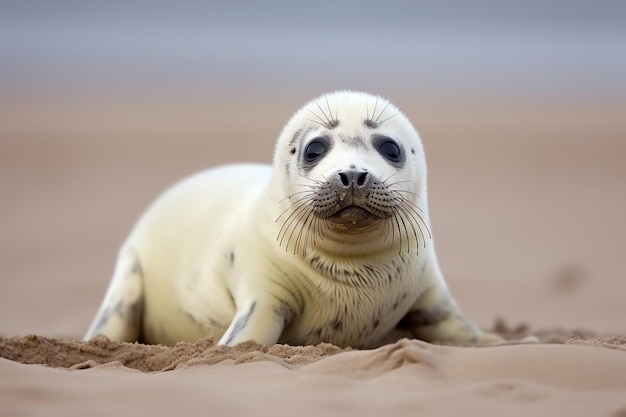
{"type": "Point", "coordinates": [330, 244]}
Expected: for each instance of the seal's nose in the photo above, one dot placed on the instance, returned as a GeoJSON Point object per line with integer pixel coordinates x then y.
{"type": "Point", "coordinates": [356, 178]}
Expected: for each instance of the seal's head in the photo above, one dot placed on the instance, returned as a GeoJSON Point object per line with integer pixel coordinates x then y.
{"type": "Point", "coordinates": [351, 177]}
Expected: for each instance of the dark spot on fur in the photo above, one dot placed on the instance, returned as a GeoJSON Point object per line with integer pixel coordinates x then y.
{"type": "Point", "coordinates": [413, 151]}
{"type": "Point", "coordinates": [284, 310]}
{"type": "Point", "coordinates": [294, 138]}
{"type": "Point", "coordinates": [135, 311]}
{"type": "Point", "coordinates": [376, 321]}
{"type": "Point", "coordinates": [370, 123]}
{"type": "Point", "coordinates": [212, 322]}
{"type": "Point", "coordinates": [293, 151]}
{"type": "Point", "coordinates": [422, 317]}
{"type": "Point", "coordinates": [136, 268]}
{"type": "Point", "coordinates": [191, 317]}
{"type": "Point", "coordinates": [332, 124]}
{"type": "Point", "coordinates": [232, 258]}
{"type": "Point", "coordinates": [337, 324]}
{"type": "Point", "coordinates": [314, 336]}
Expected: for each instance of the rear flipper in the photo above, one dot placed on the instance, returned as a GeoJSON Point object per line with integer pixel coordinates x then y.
{"type": "Point", "coordinates": [120, 315]}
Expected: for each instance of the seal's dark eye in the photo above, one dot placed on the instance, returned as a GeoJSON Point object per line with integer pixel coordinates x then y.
{"type": "Point", "coordinates": [390, 150]}
{"type": "Point", "coordinates": [315, 150]}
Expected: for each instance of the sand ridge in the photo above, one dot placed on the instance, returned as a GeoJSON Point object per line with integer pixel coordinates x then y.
{"type": "Point", "coordinates": [71, 354]}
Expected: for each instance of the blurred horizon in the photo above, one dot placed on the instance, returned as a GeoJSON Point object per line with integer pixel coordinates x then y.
{"type": "Point", "coordinates": [568, 49]}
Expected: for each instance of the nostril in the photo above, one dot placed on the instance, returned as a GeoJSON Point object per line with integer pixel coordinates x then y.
{"type": "Point", "coordinates": [361, 179]}
{"type": "Point", "coordinates": [344, 179]}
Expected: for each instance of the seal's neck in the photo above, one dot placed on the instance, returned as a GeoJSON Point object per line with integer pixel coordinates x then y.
{"type": "Point", "coordinates": [360, 271]}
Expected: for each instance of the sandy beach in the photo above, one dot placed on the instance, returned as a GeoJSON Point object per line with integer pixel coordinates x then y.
{"type": "Point", "coordinates": [527, 202]}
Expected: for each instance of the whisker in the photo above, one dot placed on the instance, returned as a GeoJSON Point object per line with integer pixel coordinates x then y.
{"type": "Point", "coordinates": [320, 118]}
{"type": "Point", "coordinates": [314, 121]}
{"type": "Point", "coordinates": [298, 203]}
{"type": "Point", "coordinates": [411, 220]}
{"type": "Point", "coordinates": [399, 182]}
{"type": "Point", "coordinates": [375, 105]}
{"type": "Point", "coordinates": [306, 236]}
{"type": "Point", "coordinates": [421, 220]}
{"type": "Point", "coordinates": [328, 121]}
{"type": "Point", "coordinates": [413, 205]}
{"type": "Point", "coordinates": [388, 178]}
{"type": "Point", "coordinates": [430, 236]}
{"type": "Point", "coordinates": [293, 216]}
{"type": "Point", "coordinates": [395, 216]}
{"type": "Point", "coordinates": [311, 192]}
{"type": "Point", "coordinates": [389, 118]}
{"type": "Point", "coordinates": [329, 110]}
{"type": "Point", "coordinates": [381, 113]}
{"type": "Point", "coordinates": [304, 223]}
{"type": "Point", "coordinates": [408, 247]}
{"type": "Point", "coordinates": [300, 219]}
{"type": "Point", "coordinates": [399, 190]}
{"type": "Point", "coordinates": [313, 180]}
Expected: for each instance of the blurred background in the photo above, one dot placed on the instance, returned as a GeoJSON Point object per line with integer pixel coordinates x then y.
{"type": "Point", "coordinates": [521, 106]}
{"type": "Point", "coordinates": [532, 48]}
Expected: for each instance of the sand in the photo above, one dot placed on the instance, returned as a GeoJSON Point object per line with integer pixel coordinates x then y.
{"type": "Point", "coordinates": [528, 204]}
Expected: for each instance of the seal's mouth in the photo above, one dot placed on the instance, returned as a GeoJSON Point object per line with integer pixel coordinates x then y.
{"type": "Point", "coordinates": [353, 211]}
{"type": "Point", "coordinates": [353, 216]}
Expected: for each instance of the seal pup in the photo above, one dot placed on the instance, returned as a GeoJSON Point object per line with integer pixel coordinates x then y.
{"type": "Point", "coordinates": [330, 244]}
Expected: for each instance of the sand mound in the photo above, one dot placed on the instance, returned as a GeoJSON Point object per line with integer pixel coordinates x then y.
{"type": "Point", "coordinates": [72, 354]}
{"type": "Point", "coordinates": [59, 353]}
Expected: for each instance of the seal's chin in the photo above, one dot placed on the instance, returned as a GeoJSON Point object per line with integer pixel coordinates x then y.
{"type": "Point", "coordinates": [353, 218]}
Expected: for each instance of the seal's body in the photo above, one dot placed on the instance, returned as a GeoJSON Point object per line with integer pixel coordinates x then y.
{"type": "Point", "coordinates": [330, 244]}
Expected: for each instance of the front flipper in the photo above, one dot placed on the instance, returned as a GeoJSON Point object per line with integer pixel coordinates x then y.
{"type": "Point", "coordinates": [445, 324]}
{"type": "Point", "coordinates": [257, 320]}
{"type": "Point", "coordinates": [435, 317]}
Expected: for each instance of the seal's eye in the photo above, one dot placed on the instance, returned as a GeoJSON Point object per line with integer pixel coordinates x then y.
{"type": "Point", "coordinates": [315, 150]}
{"type": "Point", "coordinates": [390, 150]}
